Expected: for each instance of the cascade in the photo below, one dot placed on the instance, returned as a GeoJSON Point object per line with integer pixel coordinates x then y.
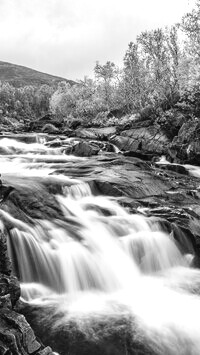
{"type": "Point", "coordinates": [96, 257]}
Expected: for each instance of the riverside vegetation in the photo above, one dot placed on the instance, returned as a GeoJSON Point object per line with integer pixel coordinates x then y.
{"type": "Point", "coordinates": [100, 196]}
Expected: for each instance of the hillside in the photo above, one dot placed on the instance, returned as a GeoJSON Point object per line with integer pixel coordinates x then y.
{"type": "Point", "coordinates": [18, 75]}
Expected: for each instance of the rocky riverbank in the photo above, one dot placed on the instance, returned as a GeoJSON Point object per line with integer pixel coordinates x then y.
{"type": "Point", "coordinates": [120, 161]}
{"type": "Point", "coordinates": [173, 133]}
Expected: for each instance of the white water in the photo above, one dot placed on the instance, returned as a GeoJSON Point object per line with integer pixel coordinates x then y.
{"type": "Point", "coordinates": [192, 169]}
{"type": "Point", "coordinates": [97, 259]}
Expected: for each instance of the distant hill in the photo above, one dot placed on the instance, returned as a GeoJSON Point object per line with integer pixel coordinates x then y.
{"type": "Point", "coordinates": [18, 76]}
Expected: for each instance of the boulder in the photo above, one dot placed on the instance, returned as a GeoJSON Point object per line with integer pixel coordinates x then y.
{"type": "Point", "coordinates": [85, 149]}
{"type": "Point", "coordinates": [178, 168]}
{"type": "Point", "coordinates": [141, 140]}
{"type": "Point", "coordinates": [35, 201]}
{"type": "Point", "coordinates": [50, 128]}
{"type": "Point", "coordinates": [170, 122]}
{"type": "Point", "coordinates": [39, 124]}
{"type": "Point", "coordinates": [109, 334]}
{"type": "Point", "coordinates": [16, 335]}
{"type": "Point", "coordinates": [5, 265]}
{"type": "Point", "coordinates": [185, 147]}
{"type": "Point", "coordinates": [85, 133]}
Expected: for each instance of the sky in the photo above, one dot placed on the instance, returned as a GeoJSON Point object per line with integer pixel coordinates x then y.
{"type": "Point", "coordinates": [67, 37]}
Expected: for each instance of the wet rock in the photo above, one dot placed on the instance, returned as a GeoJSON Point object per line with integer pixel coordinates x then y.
{"type": "Point", "coordinates": [74, 123]}
{"type": "Point", "coordinates": [16, 335]}
{"type": "Point", "coordinates": [35, 200]}
{"type": "Point", "coordinates": [55, 143]}
{"type": "Point", "coordinates": [85, 149]}
{"type": "Point", "coordinates": [50, 128]}
{"type": "Point", "coordinates": [185, 147]}
{"type": "Point", "coordinates": [9, 286]}
{"type": "Point", "coordinates": [39, 124]}
{"type": "Point", "coordinates": [143, 140]}
{"type": "Point", "coordinates": [5, 265]}
{"type": "Point", "coordinates": [170, 122]}
{"type": "Point", "coordinates": [68, 132]}
{"type": "Point", "coordinates": [177, 168]}
{"type": "Point", "coordinates": [85, 133]}
{"type": "Point", "coordinates": [107, 335]}
{"type": "Point", "coordinates": [104, 133]}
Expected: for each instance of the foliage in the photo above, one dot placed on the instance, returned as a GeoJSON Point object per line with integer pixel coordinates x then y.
{"type": "Point", "coordinates": [160, 72]}
{"type": "Point", "coordinates": [24, 102]}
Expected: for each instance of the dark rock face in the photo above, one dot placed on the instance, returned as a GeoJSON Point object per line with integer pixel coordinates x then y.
{"type": "Point", "coordinates": [85, 149]}
{"type": "Point", "coordinates": [35, 201]}
{"type": "Point", "coordinates": [185, 146]}
{"type": "Point", "coordinates": [16, 335]}
{"type": "Point", "coordinates": [38, 125]}
{"type": "Point", "coordinates": [144, 140]}
{"type": "Point", "coordinates": [50, 128]}
{"type": "Point", "coordinates": [85, 133]}
{"type": "Point", "coordinates": [180, 169]}
{"type": "Point", "coordinates": [170, 122]}
{"type": "Point", "coordinates": [108, 335]}
{"type": "Point", "coordinates": [5, 265]}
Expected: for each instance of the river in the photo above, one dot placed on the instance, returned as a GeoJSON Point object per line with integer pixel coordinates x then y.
{"type": "Point", "coordinates": [95, 262]}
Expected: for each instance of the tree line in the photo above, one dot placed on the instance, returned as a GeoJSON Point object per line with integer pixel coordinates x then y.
{"type": "Point", "coordinates": [161, 70]}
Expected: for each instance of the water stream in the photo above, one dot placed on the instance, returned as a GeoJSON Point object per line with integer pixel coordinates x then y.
{"type": "Point", "coordinates": [96, 257]}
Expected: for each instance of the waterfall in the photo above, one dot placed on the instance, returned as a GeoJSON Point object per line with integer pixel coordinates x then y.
{"type": "Point", "coordinates": [98, 259]}
{"type": "Point", "coordinates": [86, 255]}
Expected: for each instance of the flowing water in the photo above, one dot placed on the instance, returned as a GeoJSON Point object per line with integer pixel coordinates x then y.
{"type": "Point", "coordinates": [96, 258]}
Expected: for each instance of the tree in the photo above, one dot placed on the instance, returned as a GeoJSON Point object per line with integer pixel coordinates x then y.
{"type": "Point", "coordinates": [134, 78]}
{"type": "Point", "coordinates": [62, 101]}
{"type": "Point", "coordinates": [105, 74]}
{"type": "Point", "coordinates": [42, 99]}
{"type": "Point", "coordinates": [190, 69]}
{"type": "Point", "coordinates": [190, 25]}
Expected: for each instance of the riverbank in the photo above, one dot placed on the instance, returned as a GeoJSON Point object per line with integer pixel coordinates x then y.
{"type": "Point", "coordinates": [36, 168]}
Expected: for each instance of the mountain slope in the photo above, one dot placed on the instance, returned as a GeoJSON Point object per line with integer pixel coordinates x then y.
{"type": "Point", "coordinates": [18, 75]}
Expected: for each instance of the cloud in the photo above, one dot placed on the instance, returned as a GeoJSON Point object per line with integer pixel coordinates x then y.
{"type": "Point", "coordinates": [66, 37]}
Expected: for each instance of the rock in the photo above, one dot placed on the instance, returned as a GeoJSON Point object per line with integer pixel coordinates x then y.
{"type": "Point", "coordinates": [85, 149]}
{"type": "Point", "coordinates": [85, 133]}
{"type": "Point", "coordinates": [16, 335]}
{"type": "Point", "coordinates": [104, 133]}
{"type": "Point", "coordinates": [68, 132]}
{"type": "Point", "coordinates": [170, 122]}
{"type": "Point", "coordinates": [55, 143]}
{"type": "Point", "coordinates": [107, 335]}
{"type": "Point", "coordinates": [34, 201]}
{"type": "Point", "coordinates": [38, 125]}
{"type": "Point", "coordinates": [142, 141]}
{"type": "Point", "coordinates": [185, 147]}
{"type": "Point", "coordinates": [74, 123]}
{"type": "Point", "coordinates": [5, 265]}
{"type": "Point", "coordinates": [50, 128]}
{"type": "Point", "coordinates": [177, 168]}
{"type": "Point", "coordinates": [9, 286]}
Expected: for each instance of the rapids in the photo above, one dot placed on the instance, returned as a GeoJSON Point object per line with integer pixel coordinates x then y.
{"type": "Point", "coordinates": [98, 260]}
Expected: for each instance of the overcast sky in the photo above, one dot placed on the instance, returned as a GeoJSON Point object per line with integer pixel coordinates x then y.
{"type": "Point", "coordinates": [67, 37]}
